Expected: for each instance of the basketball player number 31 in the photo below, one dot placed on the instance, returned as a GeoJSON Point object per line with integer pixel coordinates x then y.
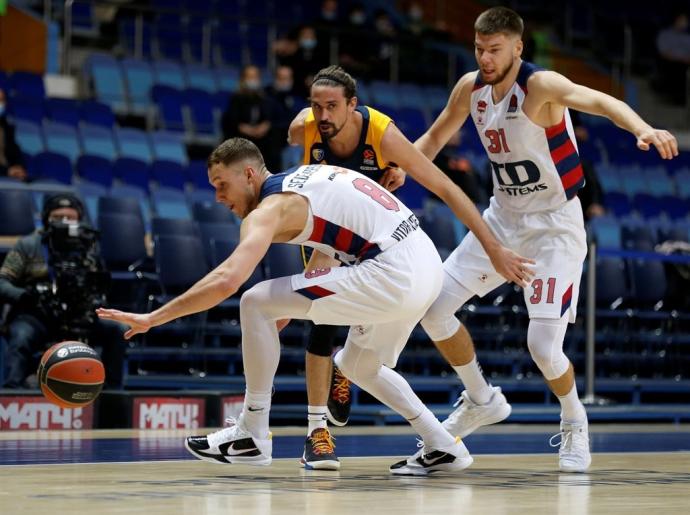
{"type": "Point", "coordinates": [376, 194]}
{"type": "Point", "coordinates": [497, 140]}
{"type": "Point", "coordinates": [538, 287]}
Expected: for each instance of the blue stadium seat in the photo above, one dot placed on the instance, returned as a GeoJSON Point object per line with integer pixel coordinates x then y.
{"type": "Point", "coordinates": [26, 84]}
{"type": "Point", "coordinates": [385, 93]}
{"type": "Point", "coordinates": [180, 262]}
{"type": "Point", "coordinates": [133, 172]}
{"type": "Point", "coordinates": [411, 122]}
{"type": "Point", "coordinates": [204, 212]}
{"type": "Point", "coordinates": [135, 194]}
{"type": "Point", "coordinates": [227, 78]}
{"type": "Point", "coordinates": [128, 36]}
{"type": "Point", "coordinates": [606, 231]}
{"type": "Point", "coordinates": [27, 110]}
{"type": "Point", "coordinates": [52, 166]}
{"type": "Point", "coordinates": [169, 37]}
{"type": "Point", "coordinates": [169, 103]}
{"type": "Point", "coordinates": [213, 232]}
{"type": "Point", "coordinates": [200, 77]}
{"type": "Point", "coordinates": [122, 240]}
{"type": "Point", "coordinates": [29, 137]}
{"type": "Point", "coordinates": [108, 81]}
{"type": "Point", "coordinates": [206, 125]}
{"type": "Point", "coordinates": [647, 205]}
{"type": "Point", "coordinates": [170, 203]}
{"type": "Point", "coordinates": [637, 234]}
{"type": "Point", "coordinates": [412, 95]}
{"type": "Point", "coordinates": [63, 110]}
{"type": "Point", "coordinates": [90, 193]}
{"type": "Point", "coordinates": [128, 206]}
{"type": "Point", "coordinates": [168, 174]}
{"type": "Point", "coordinates": [139, 80]}
{"type": "Point", "coordinates": [682, 180]}
{"type": "Point", "coordinates": [96, 113]}
{"type": "Point", "coordinates": [97, 170]}
{"type": "Point", "coordinates": [617, 203]}
{"type": "Point", "coordinates": [441, 231]}
{"type": "Point", "coordinates": [675, 207]}
{"type": "Point", "coordinates": [161, 226]}
{"type": "Point", "coordinates": [168, 73]}
{"type": "Point", "coordinates": [169, 146]}
{"type": "Point", "coordinates": [611, 282]}
{"type": "Point", "coordinates": [62, 139]}
{"type": "Point", "coordinates": [98, 141]}
{"type": "Point", "coordinates": [648, 282]}
{"type": "Point", "coordinates": [197, 175]}
{"type": "Point", "coordinates": [16, 212]}
{"type": "Point", "coordinates": [133, 143]}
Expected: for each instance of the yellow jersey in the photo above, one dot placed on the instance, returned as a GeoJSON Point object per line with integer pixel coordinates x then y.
{"type": "Point", "coordinates": [366, 159]}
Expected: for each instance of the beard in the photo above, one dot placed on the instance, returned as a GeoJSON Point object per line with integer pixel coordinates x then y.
{"type": "Point", "coordinates": [331, 131]}
{"type": "Point", "coordinates": [499, 76]}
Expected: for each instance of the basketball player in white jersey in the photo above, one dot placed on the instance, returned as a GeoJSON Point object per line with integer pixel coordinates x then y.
{"type": "Point", "coordinates": [395, 275]}
{"type": "Point", "coordinates": [521, 115]}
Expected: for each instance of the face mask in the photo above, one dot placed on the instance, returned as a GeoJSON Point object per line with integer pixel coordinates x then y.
{"type": "Point", "coordinates": [252, 85]}
{"type": "Point", "coordinates": [2, 109]}
{"type": "Point", "coordinates": [358, 18]}
{"type": "Point", "coordinates": [283, 86]}
{"type": "Point", "coordinates": [307, 44]}
{"type": "Point", "coordinates": [329, 15]}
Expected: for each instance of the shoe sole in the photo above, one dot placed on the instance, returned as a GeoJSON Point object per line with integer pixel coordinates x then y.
{"type": "Point", "coordinates": [575, 470]}
{"type": "Point", "coordinates": [320, 465]}
{"type": "Point", "coordinates": [494, 418]}
{"type": "Point", "coordinates": [335, 421]}
{"type": "Point", "coordinates": [260, 461]}
{"type": "Point", "coordinates": [457, 466]}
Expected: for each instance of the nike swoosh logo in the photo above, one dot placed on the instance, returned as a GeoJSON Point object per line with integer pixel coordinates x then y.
{"type": "Point", "coordinates": [231, 451]}
{"type": "Point", "coordinates": [428, 461]}
{"type": "Point", "coordinates": [254, 409]}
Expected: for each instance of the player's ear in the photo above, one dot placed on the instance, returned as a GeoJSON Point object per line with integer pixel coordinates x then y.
{"type": "Point", "coordinates": [518, 48]}
{"type": "Point", "coordinates": [352, 104]}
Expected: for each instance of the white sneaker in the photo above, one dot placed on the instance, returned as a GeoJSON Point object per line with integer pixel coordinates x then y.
{"type": "Point", "coordinates": [470, 416]}
{"type": "Point", "coordinates": [233, 444]}
{"type": "Point", "coordinates": [427, 460]}
{"type": "Point", "coordinates": [573, 452]}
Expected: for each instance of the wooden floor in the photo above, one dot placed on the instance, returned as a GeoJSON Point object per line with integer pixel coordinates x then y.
{"type": "Point", "coordinates": [652, 483]}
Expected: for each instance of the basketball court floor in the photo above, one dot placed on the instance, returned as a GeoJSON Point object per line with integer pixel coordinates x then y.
{"type": "Point", "coordinates": [635, 470]}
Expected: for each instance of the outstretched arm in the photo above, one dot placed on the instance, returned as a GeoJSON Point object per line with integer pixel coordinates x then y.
{"type": "Point", "coordinates": [296, 129]}
{"type": "Point", "coordinates": [256, 234]}
{"type": "Point", "coordinates": [510, 265]}
{"type": "Point", "coordinates": [554, 87]}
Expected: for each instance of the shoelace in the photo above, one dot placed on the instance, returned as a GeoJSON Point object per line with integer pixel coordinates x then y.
{"type": "Point", "coordinates": [340, 391]}
{"type": "Point", "coordinates": [566, 439]}
{"type": "Point", "coordinates": [322, 441]}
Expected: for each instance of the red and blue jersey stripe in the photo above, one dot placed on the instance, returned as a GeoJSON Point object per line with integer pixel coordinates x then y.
{"type": "Point", "coordinates": [565, 158]}
{"type": "Point", "coordinates": [342, 239]}
{"type": "Point", "coordinates": [566, 299]}
{"type": "Point", "coordinates": [315, 292]}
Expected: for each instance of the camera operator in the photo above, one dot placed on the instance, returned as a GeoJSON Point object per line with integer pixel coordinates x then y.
{"type": "Point", "coordinates": [53, 280]}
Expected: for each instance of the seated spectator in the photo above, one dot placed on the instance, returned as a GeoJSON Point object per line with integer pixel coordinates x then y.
{"type": "Point", "coordinates": [460, 170]}
{"type": "Point", "coordinates": [591, 194]}
{"type": "Point", "coordinates": [11, 161]}
{"type": "Point", "coordinates": [285, 104]}
{"type": "Point", "coordinates": [673, 45]}
{"type": "Point", "coordinates": [51, 299]}
{"type": "Point", "coordinates": [249, 115]}
{"type": "Point", "coordinates": [355, 44]}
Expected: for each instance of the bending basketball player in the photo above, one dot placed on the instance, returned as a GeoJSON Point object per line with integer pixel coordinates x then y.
{"type": "Point", "coordinates": [395, 275]}
{"type": "Point", "coordinates": [521, 115]}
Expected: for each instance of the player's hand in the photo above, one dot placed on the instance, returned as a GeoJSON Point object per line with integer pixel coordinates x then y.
{"type": "Point", "coordinates": [138, 322]}
{"type": "Point", "coordinates": [512, 266]}
{"type": "Point", "coordinates": [282, 323]}
{"type": "Point", "coordinates": [664, 141]}
{"type": "Point", "coordinates": [393, 178]}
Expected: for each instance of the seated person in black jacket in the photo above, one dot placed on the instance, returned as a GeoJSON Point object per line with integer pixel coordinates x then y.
{"type": "Point", "coordinates": [11, 161]}
{"type": "Point", "coordinates": [53, 280]}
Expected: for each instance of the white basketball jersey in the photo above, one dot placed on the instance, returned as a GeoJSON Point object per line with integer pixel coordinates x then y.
{"type": "Point", "coordinates": [352, 218]}
{"type": "Point", "coordinates": [533, 168]}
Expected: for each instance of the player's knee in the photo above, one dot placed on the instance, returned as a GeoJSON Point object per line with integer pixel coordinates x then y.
{"type": "Point", "coordinates": [545, 344]}
{"type": "Point", "coordinates": [355, 364]}
{"type": "Point", "coordinates": [322, 340]}
{"type": "Point", "coordinates": [439, 325]}
{"type": "Point", "coordinates": [253, 299]}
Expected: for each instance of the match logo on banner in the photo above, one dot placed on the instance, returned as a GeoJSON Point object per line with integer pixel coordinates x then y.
{"type": "Point", "coordinates": [168, 413]}
{"type": "Point", "coordinates": [18, 412]}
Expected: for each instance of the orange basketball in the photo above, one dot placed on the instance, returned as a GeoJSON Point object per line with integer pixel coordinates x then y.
{"type": "Point", "coordinates": [71, 374]}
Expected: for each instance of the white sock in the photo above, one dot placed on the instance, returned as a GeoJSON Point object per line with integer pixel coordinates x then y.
{"type": "Point", "coordinates": [472, 377]}
{"type": "Point", "coordinates": [431, 430]}
{"type": "Point", "coordinates": [255, 413]}
{"type": "Point", "coordinates": [572, 410]}
{"type": "Point", "coordinates": [316, 416]}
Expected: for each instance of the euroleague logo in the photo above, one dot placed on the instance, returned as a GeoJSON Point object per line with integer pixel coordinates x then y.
{"type": "Point", "coordinates": [481, 109]}
{"type": "Point", "coordinates": [368, 157]}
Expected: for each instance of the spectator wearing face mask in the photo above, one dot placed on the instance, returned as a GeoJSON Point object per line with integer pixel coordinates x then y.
{"type": "Point", "coordinates": [285, 104]}
{"type": "Point", "coordinates": [305, 53]}
{"type": "Point", "coordinates": [249, 114]}
{"type": "Point", "coordinates": [356, 41]}
{"type": "Point", "coordinates": [11, 161]}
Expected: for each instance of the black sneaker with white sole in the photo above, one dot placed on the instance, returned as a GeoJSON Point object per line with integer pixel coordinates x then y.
{"type": "Point", "coordinates": [233, 444]}
{"type": "Point", "coordinates": [427, 461]}
{"type": "Point", "coordinates": [319, 451]}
